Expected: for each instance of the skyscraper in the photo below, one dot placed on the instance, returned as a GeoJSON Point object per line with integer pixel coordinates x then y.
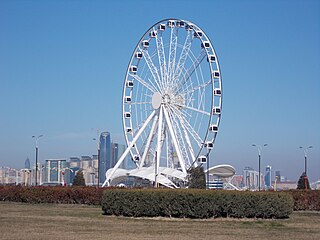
{"type": "Point", "coordinates": [267, 177]}
{"type": "Point", "coordinates": [117, 150]}
{"type": "Point", "coordinates": [104, 155]}
{"type": "Point", "coordinates": [27, 164]}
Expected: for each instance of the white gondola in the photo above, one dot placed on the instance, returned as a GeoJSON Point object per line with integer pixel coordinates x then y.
{"type": "Point", "coordinates": [129, 84]}
{"type": "Point", "coordinates": [209, 145]}
{"type": "Point", "coordinates": [128, 130]}
{"type": "Point", "coordinates": [138, 55]}
{"type": "Point", "coordinates": [211, 58]}
{"type": "Point", "coordinates": [205, 44]}
{"type": "Point", "coordinates": [202, 159]}
{"type": "Point", "coordinates": [217, 92]}
{"type": "Point", "coordinates": [162, 27]}
{"type": "Point", "coordinates": [216, 74]}
{"type": "Point", "coordinates": [153, 34]}
{"type": "Point", "coordinates": [127, 99]}
{"type": "Point", "coordinates": [216, 110]}
{"type": "Point", "coordinates": [127, 115]}
{"type": "Point", "coordinates": [180, 24]}
{"type": "Point", "coordinates": [198, 34]}
{"type": "Point", "coordinates": [170, 23]}
{"type": "Point", "coordinates": [189, 27]}
{"type": "Point", "coordinates": [213, 128]}
{"type": "Point", "coordinates": [145, 43]}
{"type": "Point", "coordinates": [133, 69]}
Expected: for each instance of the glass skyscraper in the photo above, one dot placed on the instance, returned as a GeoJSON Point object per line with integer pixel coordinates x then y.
{"type": "Point", "coordinates": [267, 177]}
{"type": "Point", "coordinates": [104, 155]}
{"type": "Point", "coordinates": [27, 164]}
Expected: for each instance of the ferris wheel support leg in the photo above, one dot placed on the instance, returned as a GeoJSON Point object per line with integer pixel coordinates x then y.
{"type": "Point", "coordinates": [123, 156]}
{"type": "Point", "coordinates": [159, 146]}
{"type": "Point", "coordinates": [146, 150]}
{"type": "Point", "coordinates": [175, 142]}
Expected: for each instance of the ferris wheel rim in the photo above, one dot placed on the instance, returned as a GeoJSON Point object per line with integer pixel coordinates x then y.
{"type": "Point", "coordinates": [212, 79]}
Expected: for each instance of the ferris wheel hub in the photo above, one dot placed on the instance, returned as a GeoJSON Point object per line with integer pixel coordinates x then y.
{"type": "Point", "coordinates": [156, 100]}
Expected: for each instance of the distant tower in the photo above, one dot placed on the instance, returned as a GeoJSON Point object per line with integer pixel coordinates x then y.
{"type": "Point", "coordinates": [27, 164]}
{"type": "Point", "coordinates": [105, 155]}
{"type": "Point", "coordinates": [278, 175]}
{"type": "Point", "coordinates": [267, 177]}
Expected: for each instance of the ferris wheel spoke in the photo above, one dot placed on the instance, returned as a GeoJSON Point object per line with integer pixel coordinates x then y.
{"type": "Point", "coordinates": [192, 90]}
{"type": "Point", "coordinates": [162, 58]}
{"type": "Point", "coordinates": [195, 109]}
{"type": "Point", "coordinates": [192, 132]}
{"type": "Point", "coordinates": [149, 140]}
{"type": "Point", "coordinates": [172, 54]}
{"type": "Point", "coordinates": [190, 71]}
{"type": "Point", "coordinates": [152, 88]}
{"type": "Point", "coordinates": [174, 139]}
{"type": "Point", "coordinates": [184, 55]}
{"type": "Point", "coordinates": [152, 68]}
{"type": "Point", "coordinates": [186, 135]}
{"type": "Point", "coordinates": [140, 103]}
{"type": "Point", "coordinates": [179, 135]}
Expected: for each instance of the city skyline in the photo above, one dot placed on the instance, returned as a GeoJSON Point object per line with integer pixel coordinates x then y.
{"type": "Point", "coordinates": [63, 67]}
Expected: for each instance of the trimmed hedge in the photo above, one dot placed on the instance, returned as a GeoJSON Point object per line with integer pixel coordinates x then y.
{"type": "Point", "coordinates": [306, 200]}
{"type": "Point", "coordinates": [67, 195]}
{"type": "Point", "coordinates": [194, 203]}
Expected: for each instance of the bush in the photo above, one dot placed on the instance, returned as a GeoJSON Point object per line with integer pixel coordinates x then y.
{"type": "Point", "coordinates": [196, 203]}
{"type": "Point", "coordinates": [68, 195]}
{"type": "Point", "coordinates": [306, 200]}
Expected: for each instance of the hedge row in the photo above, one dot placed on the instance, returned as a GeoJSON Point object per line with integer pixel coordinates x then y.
{"type": "Point", "coordinates": [192, 203]}
{"type": "Point", "coordinates": [306, 200]}
{"type": "Point", "coordinates": [67, 195]}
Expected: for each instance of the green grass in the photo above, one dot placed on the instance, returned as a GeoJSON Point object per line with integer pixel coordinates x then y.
{"type": "Point", "coordinates": [51, 221]}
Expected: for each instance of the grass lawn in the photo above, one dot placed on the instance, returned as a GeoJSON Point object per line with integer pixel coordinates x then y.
{"type": "Point", "coordinates": [52, 221]}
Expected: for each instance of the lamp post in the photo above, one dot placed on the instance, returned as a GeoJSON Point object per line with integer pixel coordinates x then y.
{"type": "Point", "coordinates": [305, 150]}
{"type": "Point", "coordinates": [36, 142]}
{"type": "Point", "coordinates": [259, 154]}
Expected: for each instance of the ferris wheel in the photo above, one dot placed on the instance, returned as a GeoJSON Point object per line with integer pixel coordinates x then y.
{"type": "Point", "coordinates": [172, 99]}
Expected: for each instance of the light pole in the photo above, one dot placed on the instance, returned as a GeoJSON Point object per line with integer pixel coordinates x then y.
{"type": "Point", "coordinates": [36, 140]}
{"type": "Point", "coordinates": [259, 152]}
{"type": "Point", "coordinates": [305, 150]}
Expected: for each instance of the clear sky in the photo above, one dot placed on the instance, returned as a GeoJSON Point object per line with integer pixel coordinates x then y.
{"type": "Point", "coordinates": [63, 63]}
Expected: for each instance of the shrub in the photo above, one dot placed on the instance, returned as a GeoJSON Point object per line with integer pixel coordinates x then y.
{"type": "Point", "coordinates": [196, 203]}
{"type": "Point", "coordinates": [306, 200]}
{"type": "Point", "coordinates": [40, 194]}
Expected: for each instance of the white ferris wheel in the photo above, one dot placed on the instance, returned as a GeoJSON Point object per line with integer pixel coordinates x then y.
{"type": "Point", "coordinates": [171, 106]}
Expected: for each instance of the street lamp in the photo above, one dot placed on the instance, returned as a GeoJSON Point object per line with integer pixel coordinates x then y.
{"type": "Point", "coordinates": [259, 152]}
{"type": "Point", "coordinates": [36, 141]}
{"type": "Point", "coordinates": [305, 150]}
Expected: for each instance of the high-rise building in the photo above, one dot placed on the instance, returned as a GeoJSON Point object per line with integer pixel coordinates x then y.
{"type": "Point", "coordinates": [117, 150]}
{"type": "Point", "coordinates": [104, 155]}
{"type": "Point", "coordinates": [268, 177]}
{"type": "Point", "coordinates": [27, 164]}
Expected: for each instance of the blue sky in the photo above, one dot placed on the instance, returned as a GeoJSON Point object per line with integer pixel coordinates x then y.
{"type": "Point", "coordinates": [62, 66]}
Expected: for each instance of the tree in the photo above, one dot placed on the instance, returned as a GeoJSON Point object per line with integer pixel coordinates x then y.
{"type": "Point", "coordinates": [303, 182]}
{"type": "Point", "coordinates": [196, 177]}
{"type": "Point", "coordinates": [79, 179]}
